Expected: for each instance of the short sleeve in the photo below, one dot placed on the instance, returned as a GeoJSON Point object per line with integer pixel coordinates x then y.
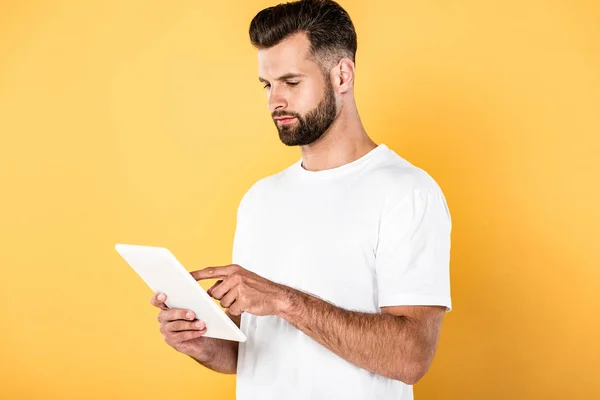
{"type": "Point", "coordinates": [412, 258]}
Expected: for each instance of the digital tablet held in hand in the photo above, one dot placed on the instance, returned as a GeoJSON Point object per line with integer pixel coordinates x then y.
{"type": "Point", "coordinates": [159, 268]}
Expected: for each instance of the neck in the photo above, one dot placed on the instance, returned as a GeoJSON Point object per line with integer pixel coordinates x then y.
{"type": "Point", "coordinates": [345, 141]}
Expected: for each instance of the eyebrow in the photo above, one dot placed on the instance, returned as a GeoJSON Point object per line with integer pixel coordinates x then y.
{"type": "Point", "coordinates": [283, 77]}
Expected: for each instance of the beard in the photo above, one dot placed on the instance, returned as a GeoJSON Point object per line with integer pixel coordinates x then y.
{"type": "Point", "coordinates": [306, 130]}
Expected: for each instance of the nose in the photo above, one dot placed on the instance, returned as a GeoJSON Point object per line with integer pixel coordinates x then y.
{"type": "Point", "coordinates": [277, 99]}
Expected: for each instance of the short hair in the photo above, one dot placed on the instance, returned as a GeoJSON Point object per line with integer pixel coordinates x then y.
{"type": "Point", "coordinates": [328, 26]}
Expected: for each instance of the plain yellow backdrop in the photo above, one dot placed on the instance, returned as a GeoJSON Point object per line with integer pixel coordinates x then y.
{"type": "Point", "coordinates": [144, 122]}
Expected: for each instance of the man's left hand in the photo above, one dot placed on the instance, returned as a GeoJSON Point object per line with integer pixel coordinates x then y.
{"type": "Point", "coordinates": [240, 290]}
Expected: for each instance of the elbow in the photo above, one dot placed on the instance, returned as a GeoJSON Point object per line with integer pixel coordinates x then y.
{"type": "Point", "coordinates": [414, 367]}
{"type": "Point", "coordinates": [412, 379]}
{"type": "Point", "coordinates": [411, 373]}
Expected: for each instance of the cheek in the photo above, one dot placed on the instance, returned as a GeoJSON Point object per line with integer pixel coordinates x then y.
{"type": "Point", "coordinates": [305, 99]}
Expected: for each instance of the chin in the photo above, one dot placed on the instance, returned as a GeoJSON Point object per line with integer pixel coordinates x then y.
{"type": "Point", "coordinates": [288, 141]}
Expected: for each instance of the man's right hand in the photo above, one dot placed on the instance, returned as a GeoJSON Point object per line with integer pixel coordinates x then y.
{"type": "Point", "coordinates": [182, 330]}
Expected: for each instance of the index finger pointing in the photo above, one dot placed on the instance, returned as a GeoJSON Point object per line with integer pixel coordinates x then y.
{"type": "Point", "coordinates": [213, 272]}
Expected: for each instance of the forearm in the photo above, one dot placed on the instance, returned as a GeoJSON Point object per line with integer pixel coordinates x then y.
{"type": "Point", "coordinates": [384, 344]}
{"type": "Point", "coordinates": [222, 357]}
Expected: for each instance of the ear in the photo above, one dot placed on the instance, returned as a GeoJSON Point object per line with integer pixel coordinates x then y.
{"type": "Point", "coordinates": [343, 75]}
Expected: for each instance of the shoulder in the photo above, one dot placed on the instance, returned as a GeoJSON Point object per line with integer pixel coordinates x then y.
{"type": "Point", "coordinates": [397, 177]}
{"type": "Point", "coordinates": [265, 187]}
{"type": "Point", "coordinates": [401, 183]}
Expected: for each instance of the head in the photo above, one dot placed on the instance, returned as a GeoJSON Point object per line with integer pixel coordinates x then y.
{"type": "Point", "coordinates": [306, 59]}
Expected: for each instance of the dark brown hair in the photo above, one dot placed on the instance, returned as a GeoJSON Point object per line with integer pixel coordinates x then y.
{"type": "Point", "coordinates": [328, 26]}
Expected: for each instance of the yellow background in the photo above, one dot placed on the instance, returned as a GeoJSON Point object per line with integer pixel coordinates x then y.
{"type": "Point", "coordinates": [143, 122]}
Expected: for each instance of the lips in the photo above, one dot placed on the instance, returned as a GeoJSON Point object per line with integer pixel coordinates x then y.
{"type": "Point", "coordinates": [285, 120]}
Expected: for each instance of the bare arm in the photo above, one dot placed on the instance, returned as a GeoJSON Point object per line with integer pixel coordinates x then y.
{"type": "Point", "coordinates": [399, 344]}
{"type": "Point", "coordinates": [224, 353]}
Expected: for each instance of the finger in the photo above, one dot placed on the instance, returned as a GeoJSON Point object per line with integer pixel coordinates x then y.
{"type": "Point", "coordinates": [222, 289]}
{"type": "Point", "coordinates": [229, 298]}
{"type": "Point", "coordinates": [175, 314]}
{"type": "Point", "coordinates": [179, 337]}
{"type": "Point", "coordinates": [181, 326]}
{"type": "Point", "coordinates": [158, 300]}
{"type": "Point", "coordinates": [214, 272]}
{"type": "Point", "coordinates": [209, 291]}
{"type": "Point", "coordinates": [235, 309]}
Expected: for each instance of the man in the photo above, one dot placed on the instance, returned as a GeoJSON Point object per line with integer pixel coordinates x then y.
{"type": "Point", "coordinates": [340, 278]}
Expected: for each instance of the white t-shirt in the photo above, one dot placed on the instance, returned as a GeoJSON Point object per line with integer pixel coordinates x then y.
{"type": "Point", "coordinates": [374, 232]}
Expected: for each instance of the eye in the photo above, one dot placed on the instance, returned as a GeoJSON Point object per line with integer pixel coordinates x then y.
{"type": "Point", "coordinates": [292, 83]}
{"type": "Point", "coordinates": [267, 85]}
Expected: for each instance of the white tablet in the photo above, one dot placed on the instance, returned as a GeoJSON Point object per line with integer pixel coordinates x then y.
{"type": "Point", "coordinates": [159, 268]}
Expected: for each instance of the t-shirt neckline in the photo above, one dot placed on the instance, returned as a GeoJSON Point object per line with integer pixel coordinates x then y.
{"type": "Point", "coordinates": [337, 171]}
